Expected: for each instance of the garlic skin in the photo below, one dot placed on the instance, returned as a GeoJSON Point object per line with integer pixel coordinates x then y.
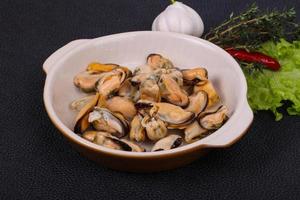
{"type": "Point", "coordinates": [179, 18]}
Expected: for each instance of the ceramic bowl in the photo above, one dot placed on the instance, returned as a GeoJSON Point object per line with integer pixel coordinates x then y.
{"type": "Point", "coordinates": [131, 49]}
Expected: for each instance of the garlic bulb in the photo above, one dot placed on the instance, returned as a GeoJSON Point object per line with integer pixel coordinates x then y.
{"type": "Point", "coordinates": [179, 18]}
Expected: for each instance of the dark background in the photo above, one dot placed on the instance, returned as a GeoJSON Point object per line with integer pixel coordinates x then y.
{"type": "Point", "coordinates": [37, 163]}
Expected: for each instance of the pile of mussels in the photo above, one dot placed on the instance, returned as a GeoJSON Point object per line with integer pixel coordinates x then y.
{"type": "Point", "coordinates": [146, 104]}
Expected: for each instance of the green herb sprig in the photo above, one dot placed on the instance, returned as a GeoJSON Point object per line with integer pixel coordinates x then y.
{"type": "Point", "coordinates": [253, 27]}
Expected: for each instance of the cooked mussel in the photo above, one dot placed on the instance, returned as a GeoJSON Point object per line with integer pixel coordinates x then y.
{"type": "Point", "coordinates": [213, 121]}
{"type": "Point", "coordinates": [155, 128]}
{"type": "Point", "coordinates": [89, 135]}
{"type": "Point", "coordinates": [111, 81]}
{"type": "Point", "coordinates": [103, 119]}
{"type": "Point", "coordinates": [176, 75]}
{"type": "Point", "coordinates": [82, 124]}
{"type": "Point", "coordinates": [171, 91]}
{"type": "Point", "coordinates": [127, 89]}
{"type": "Point", "coordinates": [194, 132]}
{"type": "Point", "coordinates": [81, 120]}
{"type": "Point", "coordinates": [137, 131]}
{"type": "Point", "coordinates": [143, 69]}
{"type": "Point", "coordinates": [78, 104]}
{"type": "Point", "coordinates": [169, 142]}
{"type": "Point", "coordinates": [107, 140]}
{"type": "Point", "coordinates": [86, 81]}
{"type": "Point", "coordinates": [134, 146]}
{"type": "Point", "coordinates": [122, 105]}
{"type": "Point", "coordinates": [156, 61]}
{"type": "Point", "coordinates": [174, 116]}
{"type": "Point", "coordinates": [140, 78]}
{"type": "Point", "coordinates": [149, 90]}
{"type": "Point", "coordinates": [96, 67]}
{"type": "Point", "coordinates": [194, 76]}
{"type": "Point", "coordinates": [197, 102]}
{"type": "Point", "coordinates": [208, 87]}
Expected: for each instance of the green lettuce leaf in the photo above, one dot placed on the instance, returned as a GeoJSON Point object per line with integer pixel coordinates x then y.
{"type": "Point", "coordinates": [267, 90]}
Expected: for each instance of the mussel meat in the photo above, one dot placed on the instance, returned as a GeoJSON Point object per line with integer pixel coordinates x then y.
{"type": "Point", "coordinates": [208, 87]}
{"type": "Point", "coordinates": [169, 142]}
{"type": "Point", "coordinates": [127, 89]}
{"type": "Point", "coordinates": [197, 102]}
{"type": "Point", "coordinates": [121, 105]}
{"type": "Point", "coordinates": [194, 132]}
{"type": "Point", "coordinates": [103, 119]}
{"type": "Point", "coordinates": [86, 81]}
{"type": "Point", "coordinates": [137, 131]}
{"type": "Point", "coordinates": [96, 67]}
{"type": "Point", "coordinates": [213, 121]}
{"type": "Point", "coordinates": [111, 81]}
{"type": "Point", "coordinates": [89, 135]}
{"type": "Point", "coordinates": [81, 120]}
{"type": "Point", "coordinates": [155, 128]}
{"type": "Point", "coordinates": [149, 90]}
{"type": "Point", "coordinates": [171, 91]}
{"type": "Point", "coordinates": [134, 147]}
{"type": "Point", "coordinates": [194, 76]}
{"type": "Point", "coordinates": [174, 116]}
{"type": "Point", "coordinates": [107, 140]}
{"type": "Point", "coordinates": [78, 104]}
{"type": "Point", "coordinates": [156, 61]}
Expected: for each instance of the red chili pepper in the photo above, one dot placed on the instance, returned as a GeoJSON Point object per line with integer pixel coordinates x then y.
{"type": "Point", "coordinates": [246, 56]}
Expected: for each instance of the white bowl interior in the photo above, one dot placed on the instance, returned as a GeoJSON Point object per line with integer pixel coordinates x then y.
{"type": "Point", "coordinates": [131, 50]}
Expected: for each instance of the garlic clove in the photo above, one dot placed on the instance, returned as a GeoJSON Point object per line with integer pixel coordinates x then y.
{"type": "Point", "coordinates": [179, 18]}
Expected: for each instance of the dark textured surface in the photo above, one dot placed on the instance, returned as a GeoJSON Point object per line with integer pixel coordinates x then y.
{"type": "Point", "coordinates": [37, 163]}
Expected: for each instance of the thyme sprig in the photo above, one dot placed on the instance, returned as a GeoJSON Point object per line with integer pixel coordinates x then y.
{"type": "Point", "coordinates": [253, 27]}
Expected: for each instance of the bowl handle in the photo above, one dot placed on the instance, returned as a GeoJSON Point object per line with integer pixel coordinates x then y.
{"type": "Point", "coordinates": [236, 132]}
{"type": "Point", "coordinates": [54, 57]}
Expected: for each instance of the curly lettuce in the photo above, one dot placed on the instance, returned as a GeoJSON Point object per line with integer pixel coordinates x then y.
{"type": "Point", "coordinates": [268, 90]}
